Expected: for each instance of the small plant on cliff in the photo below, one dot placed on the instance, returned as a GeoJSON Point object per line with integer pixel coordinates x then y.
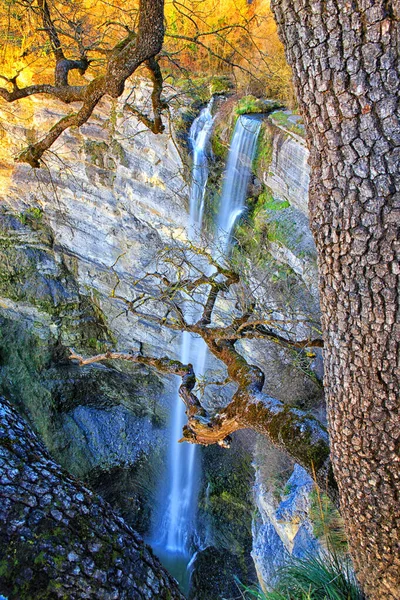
{"type": "Point", "coordinates": [322, 577]}
{"type": "Point", "coordinates": [30, 215]}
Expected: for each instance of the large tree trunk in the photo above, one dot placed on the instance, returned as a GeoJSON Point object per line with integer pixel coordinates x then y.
{"type": "Point", "coordinates": [58, 539]}
{"type": "Point", "coordinates": [344, 56]}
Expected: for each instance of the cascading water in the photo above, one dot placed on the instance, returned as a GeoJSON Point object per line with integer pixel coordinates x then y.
{"type": "Point", "coordinates": [174, 531]}
{"type": "Point", "coordinates": [236, 177]}
{"type": "Point", "coordinates": [178, 522]}
{"type": "Point", "coordinates": [200, 133]}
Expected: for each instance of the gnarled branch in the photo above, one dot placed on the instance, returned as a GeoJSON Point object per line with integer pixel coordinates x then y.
{"type": "Point", "coordinates": [155, 124]}
{"type": "Point", "coordinates": [298, 433]}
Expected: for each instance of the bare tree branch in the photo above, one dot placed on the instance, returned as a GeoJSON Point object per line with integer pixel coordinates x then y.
{"type": "Point", "coordinates": [178, 276]}
{"type": "Point", "coordinates": [293, 430]}
{"type": "Point", "coordinates": [126, 57]}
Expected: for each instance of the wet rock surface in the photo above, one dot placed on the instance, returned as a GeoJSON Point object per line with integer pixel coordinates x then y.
{"type": "Point", "coordinates": [282, 529]}
{"type": "Point", "coordinates": [60, 540]}
{"type": "Point", "coordinates": [213, 574]}
{"type": "Point", "coordinates": [289, 175]}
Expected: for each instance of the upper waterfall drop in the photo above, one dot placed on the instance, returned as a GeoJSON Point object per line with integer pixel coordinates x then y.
{"type": "Point", "coordinates": [236, 178]}
{"type": "Point", "coordinates": [199, 136]}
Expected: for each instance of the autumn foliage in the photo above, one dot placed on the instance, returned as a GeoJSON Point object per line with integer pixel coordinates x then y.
{"type": "Point", "coordinates": [235, 39]}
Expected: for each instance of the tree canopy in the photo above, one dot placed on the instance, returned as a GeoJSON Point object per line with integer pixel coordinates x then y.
{"type": "Point", "coordinates": [80, 51]}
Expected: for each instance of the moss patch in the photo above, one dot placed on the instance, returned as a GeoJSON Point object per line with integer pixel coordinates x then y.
{"type": "Point", "coordinates": [252, 105]}
{"type": "Point", "coordinates": [282, 119]}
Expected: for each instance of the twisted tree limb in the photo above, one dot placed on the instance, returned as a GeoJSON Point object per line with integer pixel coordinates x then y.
{"type": "Point", "coordinates": [134, 50]}
{"type": "Point", "coordinates": [155, 124]}
{"type": "Point", "coordinates": [293, 430]}
{"type": "Point", "coordinates": [302, 436]}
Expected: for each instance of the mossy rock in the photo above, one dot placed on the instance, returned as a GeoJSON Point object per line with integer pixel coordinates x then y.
{"type": "Point", "coordinates": [226, 499]}
{"type": "Point", "coordinates": [252, 105]}
{"type": "Point", "coordinates": [289, 121]}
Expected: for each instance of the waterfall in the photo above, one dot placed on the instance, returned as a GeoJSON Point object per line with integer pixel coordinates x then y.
{"type": "Point", "coordinates": [178, 521]}
{"type": "Point", "coordinates": [172, 539]}
{"type": "Point", "coordinates": [236, 177]}
{"type": "Point", "coordinates": [200, 133]}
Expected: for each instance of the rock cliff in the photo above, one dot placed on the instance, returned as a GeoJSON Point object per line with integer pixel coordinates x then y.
{"type": "Point", "coordinates": [92, 219]}
{"type": "Point", "coordinates": [96, 214]}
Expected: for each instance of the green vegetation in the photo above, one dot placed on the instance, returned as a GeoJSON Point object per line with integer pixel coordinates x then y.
{"type": "Point", "coordinates": [250, 105]}
{"type": "Point", "coordinates": [31, 214]}
{"type": "Point", "coordinates": [323, 577]}
{"type": "Point", "coordinates": [281, 118]}
{"type": "Point", "coordinates": [280, 232]}
{"type": "Point", "coordinates": [219, 146]}
{"type": "Point", "coordinates": [258, 228]}
{"type": "Point", "coordinates": [266, 201]}
{"type": "Point", "coordinates": [263, 157]}
{"type": "Point", "coordinates": [201, 87]}
{"type": "Point", "coordinates": [96, 151]}
{"type": "Point", "coordinates": [327, 523]}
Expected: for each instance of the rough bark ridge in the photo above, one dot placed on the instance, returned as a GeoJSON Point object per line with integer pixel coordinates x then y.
{"type": "Point", "coordinates": [58, 539]}
{"type": "Point", "coordinates": [345, 60]}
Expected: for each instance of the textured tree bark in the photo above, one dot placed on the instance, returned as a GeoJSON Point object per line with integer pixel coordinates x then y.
{"type": "Point", "coordinates": [58, 539]}
{"type": "Point", "coordinates": [345, 61]}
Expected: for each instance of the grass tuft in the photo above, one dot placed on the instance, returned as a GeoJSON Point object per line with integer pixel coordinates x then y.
{"type": "Point", "coordinates": [322, 577]}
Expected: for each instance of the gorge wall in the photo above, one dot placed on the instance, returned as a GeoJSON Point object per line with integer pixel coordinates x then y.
{"type": "Point", "coordinates": [94, 217]}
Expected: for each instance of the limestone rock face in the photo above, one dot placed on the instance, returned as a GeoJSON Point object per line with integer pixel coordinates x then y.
{"type": "Point", "coordinates": [284, 529]}
{"type": "Point", "coordinates": [59, 539]}
{"type": "Point", "coordinates": [289, 174]}
{"type": "Point", "coordinates": [94, 218]}
{"type": "Point", "coordinates": [94, 215]}
{"type": "Point", "coordinates": [112, 195]}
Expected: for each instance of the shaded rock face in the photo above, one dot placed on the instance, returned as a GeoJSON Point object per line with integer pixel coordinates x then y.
{"type": "Point", "coordinates": [282, 529]}
{"type": "Point", "coordinates": [92, 419]}
{"type": "Point", "coordinates": [289, 175]}
{"type": "Point", "coordinates": [94, 216]}
{"type": "Point", "coordinates": [61, 540]}
{"type": "Point", "coordinates": [225, 507]}
{"type": "Point", "coordinates": [212, 576]}
{"type": "Point", "coordinates": [282, 525]}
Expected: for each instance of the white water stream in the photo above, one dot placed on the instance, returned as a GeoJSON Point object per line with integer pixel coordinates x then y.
{"type": "Point", "coordinates": [180, 505]}
{"type": "Point", "coordinates": [177, 527]}
{"type": "Point", "coordinates": [236, 177]}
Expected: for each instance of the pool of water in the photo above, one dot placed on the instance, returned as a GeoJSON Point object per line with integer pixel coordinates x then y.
{"type": "Point", "coordinates": [177, 565]}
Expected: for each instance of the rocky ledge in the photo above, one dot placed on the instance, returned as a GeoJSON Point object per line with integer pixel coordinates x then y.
{"type": "Point", "coordinates": [60, 540]}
